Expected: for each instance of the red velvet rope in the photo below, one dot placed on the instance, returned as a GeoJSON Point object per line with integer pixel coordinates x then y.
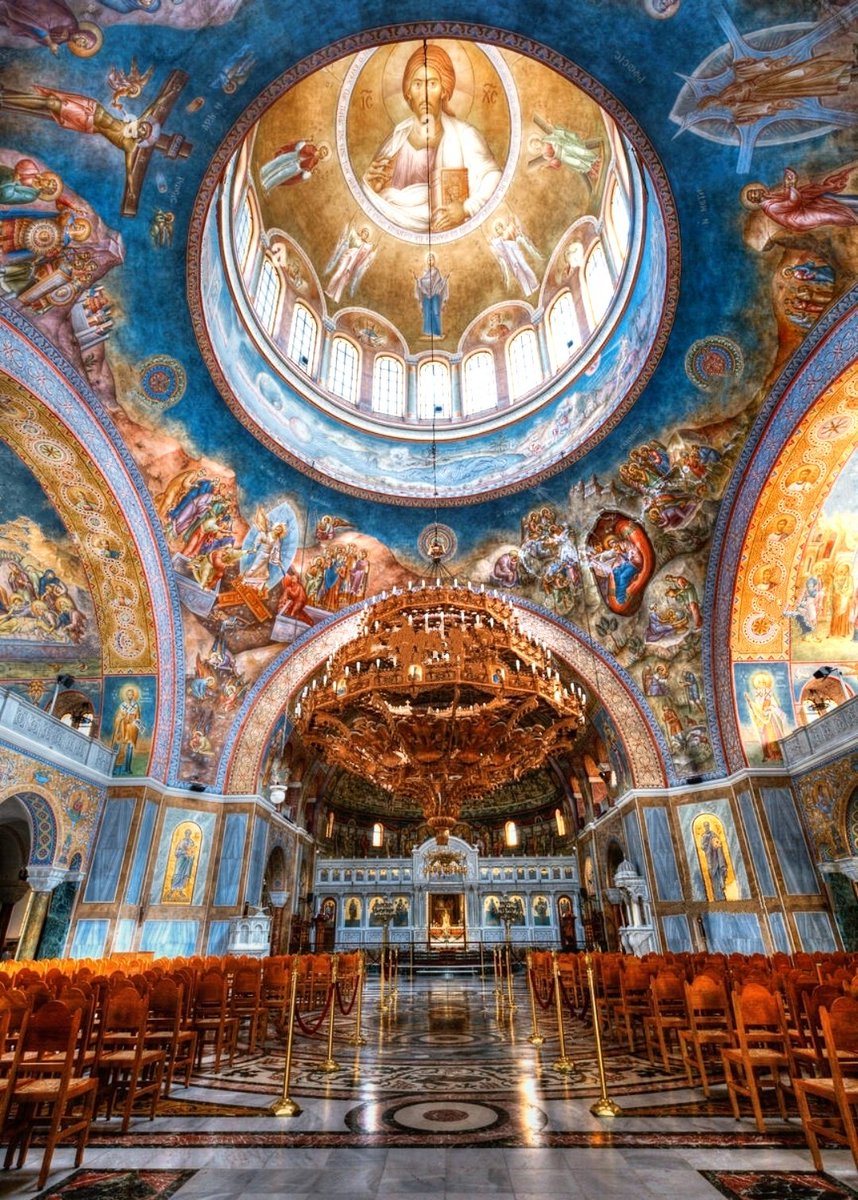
{"type": "Point", "coordinates": [534, 980]}
{"type": "Point", "coordinates": [311, 1031]}
{"type": "Point", "coordinates": [346, 1009]}
{"type": "Point", "coordinates": [565, 997]}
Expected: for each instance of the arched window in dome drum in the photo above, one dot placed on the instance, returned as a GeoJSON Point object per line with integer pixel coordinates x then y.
{"type": "Point", "coordinates": [598, 285]}
{"type": "Point", "coordinates": [388, 390]}
{"type": "Point", "coordinates": [619, 223]}
{"type": "Point", "coordinates": [267, 300]}
{"type": "Point", "coordinates": [525, 372]}
{"type": "Point", "coordinates": [303, 337]}
{"type": "Point", "coordinates": [480, 386]}
{"type": "Point", "coordinates": [343, 373]}
{"type": "Point", "coordinates": [243, 232]}
{"type": "Point", "coordinates": [563, 332]}
{"type": "Point", "coordinates": [433, 391]}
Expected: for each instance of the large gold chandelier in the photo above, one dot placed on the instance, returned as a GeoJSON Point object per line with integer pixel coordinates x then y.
{"type": "Point", "coordinates": [439, 698]}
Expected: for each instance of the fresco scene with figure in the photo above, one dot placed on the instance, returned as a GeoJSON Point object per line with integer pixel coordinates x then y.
{"type": "Point", "coordinates": [303, 318]}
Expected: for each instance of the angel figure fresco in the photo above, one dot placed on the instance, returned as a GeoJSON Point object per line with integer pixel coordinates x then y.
{"type": "Point", "coordinates": [353, 254]}
{"type": "Point", "coordinates": [269, 547]}
{"type": "Point", "coordinates": [510, 246]}
{"type": "Point", "coordinates": [292, 163]}
{"type": "Point", "coordinates": [557, 146]}
{"type": "Point", "coordinates": [128, 84]}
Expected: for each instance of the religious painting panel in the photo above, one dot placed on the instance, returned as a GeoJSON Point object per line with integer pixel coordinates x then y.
{"type": "Point", "coordinates": [352, 912]}
{"type": "Point", "coordinates": [622, 559]}
{"type": "Point", "coordinates": [183, 857]}
{"type": "Point", "coordinates": [129, 721]}
{"type": "Point", "coordinates": [446, 919]}
{"type": "Point", "coordinates": [715, 862]}
{"type": "Point", "coordinates": [540, 911]}
{"type": "Point", "coordinates": [401, 911]}
{"type": "Point", "coordinates": [491, 913]}
{"type": "Point", "coordinates": [763, 697]}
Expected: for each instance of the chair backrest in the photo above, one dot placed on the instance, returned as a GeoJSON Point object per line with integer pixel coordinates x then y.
{"type": "Point", "coordinates": [51, 1032]}
{"type": "Point", "coordinates": [759, 1016]}
{"type": "Point", "coordinates": [668, 990]}
{"type": "Point", "coordinates": [126, 1011]}
{"type": "Point", "coordinates": [165, 999]}
{"type": "Point", "coordinates": [841, 1020]}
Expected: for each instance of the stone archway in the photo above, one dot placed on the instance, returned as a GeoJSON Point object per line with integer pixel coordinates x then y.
{"type": "Point", "coordinates": [15, 848]}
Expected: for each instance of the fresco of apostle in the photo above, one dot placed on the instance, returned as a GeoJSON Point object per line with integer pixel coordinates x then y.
{"type": "Point", "coordinates": [434, 168]}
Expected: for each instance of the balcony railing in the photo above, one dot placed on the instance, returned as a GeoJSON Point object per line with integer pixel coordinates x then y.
{"type": "Point", "coordinates": [829, 734]}
{"type": "Point", "coordinates": [24, 722]}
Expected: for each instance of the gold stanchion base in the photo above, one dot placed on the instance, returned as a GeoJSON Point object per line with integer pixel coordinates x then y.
{"type": "Point", "coordinates": [536, 1039]}
{"type": "Point", "coordinates": [285, 1107]}
{"type": "Point", "coordinates": [330, 1065]}
{"type": "Point", "coordinates": [565, 1065]}
{"type": "Point", "coordinates": [605, 1108]}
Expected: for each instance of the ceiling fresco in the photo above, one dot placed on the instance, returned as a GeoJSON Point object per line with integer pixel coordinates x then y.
{"type": "Point", "coordinates": [562, 366]}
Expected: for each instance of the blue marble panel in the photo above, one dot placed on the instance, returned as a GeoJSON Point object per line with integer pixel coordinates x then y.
{"type": "Point", "coordinates": [141, 853]}
{"type": "Point", "coordinates": [218, 937]}
{"type": "Point", "coordinates": [667, 881]}
{"type": "Point", "coordinates": [89, 939]}
{"type": "Point", "coordinates": [166, 939]}
{"type": "Point", "coordinates": [759, 857]}
{"type": "Point", "coordinates": [779, 932]}
{"type": "Point", "coordinates": [53, 938]}
{"type": "Point", "coordinates": [688, 813]}
{"type": "Point", "coordinates": [790, 844]}
{"type": "Point", "coordinates": [634, 844]}
{"type": "Point", "coordinates": [110, 851]}
{"type": "Point", "coordinates": [231, 857]}
{"type": "Point", "coordinates": [677, 935]}
{"type": "Point", "coordinates": [123, 936]}
{"type": "Point", "coordinates": [172, 818]}
{"type": "Point", "coordinates": [253, 889]}
{"type": "Point", "coordinates": [728, 932]}
{"type": "Point", "coordinates": [815, 931]}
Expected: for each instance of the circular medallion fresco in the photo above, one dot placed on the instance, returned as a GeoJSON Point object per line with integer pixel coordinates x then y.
{"type": "Point", "coordinates": [433, 242]}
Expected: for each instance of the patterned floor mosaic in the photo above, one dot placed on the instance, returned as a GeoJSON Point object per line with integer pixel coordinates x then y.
{"type": "Point", "coordinates": [446, 1097]}
{"type": "Point", "coordinates": [778, 1185]}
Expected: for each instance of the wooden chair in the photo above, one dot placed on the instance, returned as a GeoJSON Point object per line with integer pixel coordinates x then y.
{"type": "Point", "coordinates": [763, 1049]}
{"type": "Point", "coordinates": [128, 1069]}
{"type": "Point", "coordinates": [633, 1006]}
{"type": "Point", "coordinates": [838, 1090]}
{"type": "Point", "coordinates": [668, 1014]}
{"type": "Point", "coordinates": [709, 1029]}
{"type": "Point", "coordinates": [276, 985]}
{"type": "Point", "coordinates": [45, 1092]}
{"type": "Point", "coordinates": [212, 1018]}
{"type": "Point", "coordinates": [166, 1030]}
{"type": "Point", "coordinates": [245, 1002]}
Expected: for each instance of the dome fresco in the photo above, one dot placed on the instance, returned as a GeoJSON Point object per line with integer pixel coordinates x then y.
{"type": "Point", "coordinates": [371, 306]}
{"type": "Point", "coordinates": [284, 303]}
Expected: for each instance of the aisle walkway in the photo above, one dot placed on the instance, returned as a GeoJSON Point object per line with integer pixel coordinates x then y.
{"type": "Point", "coordinates": [449, 1099]}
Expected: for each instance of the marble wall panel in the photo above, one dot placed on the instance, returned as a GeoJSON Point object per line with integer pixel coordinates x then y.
{"type": "Point", "coordinates": [110, 851]}
{"type": "Point", "coordinates": [253, 890]}
{"type": "Point", "coordinates": [788, 836]}
{"type": "Point", "coordinates": [89, 939]}
{"type": "Point", "coordinates": [634, 844]}
{"type": "Point", "coordinates": [141, 853]}
{"type": "Point", "coordinates": [779, 932]}
{"type": "Point", "coordinates": [167, 939]}
{"type": "Point", "coordinates": [231, 857]}
{"type": "Point", "coordinates": [667, 880]}
{"type": "Point", "coordinates": [218, 937]}
{"type": "Point", "coordinates": [759, 857]}
{"type": "Point", "coordinates": [815, 931]}
{"type": "Point", "coordinates": [738, 933]}
{"type": "Point", "coordinates": [677, 935]}
{"type": "Point", "coordinates": [123, 935]}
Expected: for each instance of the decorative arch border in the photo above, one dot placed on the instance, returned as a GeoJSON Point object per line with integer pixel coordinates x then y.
{"type": "Point", "coordinates": [43, 824]}
{"type": "Point", "coordinates": [645, 745]}
{"type": "Point", "coordinates": [406, 31]}
{"type": "Point", "coordinates": [36, 366]}
{"type": "Point", "coordinates": [822, 359]}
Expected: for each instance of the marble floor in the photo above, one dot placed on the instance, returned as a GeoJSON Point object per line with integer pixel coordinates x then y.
{"type": "Point", "coordinates": [447, 1097]}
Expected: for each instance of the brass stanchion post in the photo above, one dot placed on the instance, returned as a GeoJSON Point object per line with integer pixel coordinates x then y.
{"type": "Point", "coordinates": [286, 1106]}
{"type": "Point", "coordinates": [358, 1039]}
{"type": "Point", "coordinates": [564, 1064]}
{"type": "Point", "coordinates": [508, 951]}
{"type": "Point", "coordinates": [536, 1038]}
{"type": "Point", "coordinates": [329, 1064]}
{"type": "Point", "coordinates": [604, 1106]}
